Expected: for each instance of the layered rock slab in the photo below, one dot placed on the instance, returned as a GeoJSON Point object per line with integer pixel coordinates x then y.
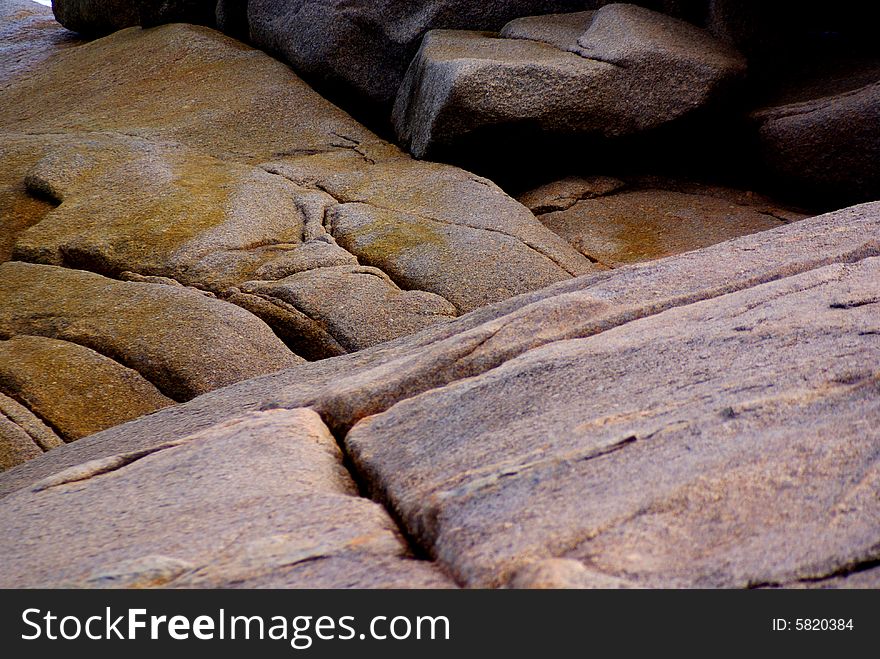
{"type": "Point", "coordinates": [76, 390]}
{"type": "Point", "coordinates": [825, 142]}
{"type": "Point", "coordinates": [363, 48]}
{"type": "Point", "coordinates": [614, 72]}
{"type": "Point", "coordinates": [742, 453]}
{"type": "Point", "coordinates": [23, 436]}
{"type": "Point", "coordinates": [272, 507]}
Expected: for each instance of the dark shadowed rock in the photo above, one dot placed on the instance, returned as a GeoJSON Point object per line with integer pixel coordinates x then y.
{"type": "Point", "coordinates": [100, 17]}
{"type": "Point", "coordinates": [825, 144]}
{"type": "Point", "coordinates": [614, 72]}
{"type": "Point", "coordinates": [364, 47]}
{"type": "Point", "coordinates": [274, 507]}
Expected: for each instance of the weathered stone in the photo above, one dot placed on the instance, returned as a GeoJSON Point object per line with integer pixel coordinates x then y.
{"type": "Point", "coordinates": [433, 227]}
{"type": "Point", "coordinates": [73, 388]}
{"type": "Point", "coordinates": [29, 35]}
{"type": "Point", "coordinates": [365, 47]}
{"type": "Point", "coordinates": [826, 142]}
{"type": "Point", "coordinates": [652, 219]}
{"type": "Point", "coordinates": [179, 340]}
{"type": "Point", "coordinates": [733, 385]}
{"type": "Point", "coordinates": [727, 443]}
{"type": "Point", "coordinates": [274, 507]}
{"type": "Point", "coordinates": [565, 193]}
{"type": "Point", "coordinates": [351, 387]}
{"type": "Point", "coordinates": [100, 17]}
{"type": "Point", "coordinates": [629, 71]}
{"type": "Point", "coordinates": [22, 435]}
{"type": "Point", "coordinates": [237, 181]}
{"type": "Point", "coordinates": [359, 306]}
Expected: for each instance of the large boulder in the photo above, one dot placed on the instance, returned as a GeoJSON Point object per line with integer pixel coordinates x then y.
{"type": "Point", "coordinates": [23, 436]}
{"type": "Point", "coordinates": [273, 507]}
{"type": "Point", "coordinates": [100, 17]}
{"type": "Point", "coordinates": [615, 72]}
{"type": "Point", "coordinates": [708, 419]}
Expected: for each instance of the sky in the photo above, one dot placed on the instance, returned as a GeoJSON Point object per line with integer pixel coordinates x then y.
{"type": "Point", "coordinates": [48, 3]}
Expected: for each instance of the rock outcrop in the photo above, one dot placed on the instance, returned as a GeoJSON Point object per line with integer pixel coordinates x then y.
{"type": "Point", "coordinates": [269, 177]}
{"type": "Point", "coordinates": [824, 141]}
{"type": "Point", "coordinates": [733, 385]}
{"type": "Point", "coordinates": [617, 71]}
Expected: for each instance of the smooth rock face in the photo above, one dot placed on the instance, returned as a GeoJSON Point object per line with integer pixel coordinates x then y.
{"type": "Point", "coordinates": [365, 47]}
{"type": "Point", "coordinates": [744, 452]}
{"type": "Point", "coordinates": [732, 385]}
{"type": "Point", "coordinates": [251, 176]}
{"type": "Point", "coordinates": [825, 145]}
{"type": "Point", "coordinates": [75, 389]}
{"type": "Point", "coordinates": [614, 72]}
{"type": "Point", "coordinates": [100, 17]}
{"type": "Point", "coordinates": [273, 507]}
{"type": "Point", "coordinates": [650, 219]}
{"type": "Point", "coordinates": [176, 338]}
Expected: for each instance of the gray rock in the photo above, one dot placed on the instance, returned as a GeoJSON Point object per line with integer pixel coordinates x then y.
{"type": "Point", "coordinates": [363, 48]}
{"type": "Point", "coordinates": [177, 339]}
{"type": "Point", "coordinates": [631, 70]}
{"type": "Point", "coordinates": [273, 508]}
{"type": "Point", "coordinates": [727, 443]}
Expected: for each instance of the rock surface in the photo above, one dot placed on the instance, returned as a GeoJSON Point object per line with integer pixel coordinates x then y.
{"type": "Point", "coordinates": [300, 524]}
{"type": "Point", "coordinates": [827, 144]}
{"type": "Point", "coordinates": [363, 48]}
{"type": "Point", "coordinates": [251, 176]}
{"type": "Point", "coordinates": [22, 435]}
{"type": "Point", "coordinates": [100, 17]}
{"type": "Point", "coordinates": [614, 72]}
{"type": "Point", "coordinates": [614, 224]}
{"type": "Point", "coordinates": [733, 385]}
{"type": "Point", "coordinates": [176, 338]}
{"type": "Point", "coordinates": [74, 389]}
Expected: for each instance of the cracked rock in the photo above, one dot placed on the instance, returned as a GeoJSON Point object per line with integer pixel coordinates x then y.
{"type": "Point", "coordinates": [272, 506]}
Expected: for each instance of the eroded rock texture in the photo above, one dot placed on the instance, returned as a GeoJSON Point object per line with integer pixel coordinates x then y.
{"type": "Point", "coordinates": [707, 419]}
